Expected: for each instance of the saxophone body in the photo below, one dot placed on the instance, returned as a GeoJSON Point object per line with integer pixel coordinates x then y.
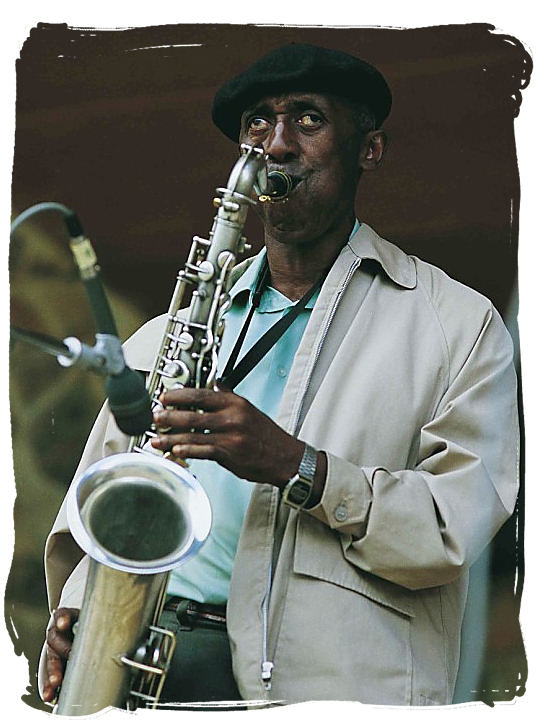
{"type": "Point", "coordinates": [137, 514]}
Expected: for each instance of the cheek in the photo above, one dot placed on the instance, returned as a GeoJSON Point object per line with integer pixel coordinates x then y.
{"type": "Point", "coordinates": [333, 179]}
{"type": "Point", "coordinates": [333, 165]}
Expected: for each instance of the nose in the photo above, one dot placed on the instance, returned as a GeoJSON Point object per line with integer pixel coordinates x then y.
{"type": "Point", "coordinates": [281, 144]}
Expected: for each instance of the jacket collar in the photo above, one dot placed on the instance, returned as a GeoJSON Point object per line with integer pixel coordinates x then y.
{"type": "Point", "coordinates": [398, 265]}
{"type": "Point", "coordinates": [364, 242]}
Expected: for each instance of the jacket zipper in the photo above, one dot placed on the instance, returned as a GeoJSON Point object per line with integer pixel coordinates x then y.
{"type": "Point", "coordinates": [267, 666]}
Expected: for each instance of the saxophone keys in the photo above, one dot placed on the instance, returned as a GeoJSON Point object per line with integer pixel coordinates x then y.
{"type": "Point", "coordinates": [184, 276]}
{"type": "Point", "coordinates": [185, 341]}
{"type": "Point", "coordinates": [201, 242]}
{"type": "Point", "coordinates": [243, 246]}
{"type": "Point", "coordinates": [175, 372]}
{"type": "Point", "coordinates": [205, 271]}
{"type": "Point", "coordinates": [220, 327]}
{"type": "Point", "coordinates": [225, 258]}
{"type": "Point", "coordinates": [230, 205]}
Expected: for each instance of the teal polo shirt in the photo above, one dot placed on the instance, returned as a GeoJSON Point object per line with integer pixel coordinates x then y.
{"type": "Point", "coordinates": [206, 577]}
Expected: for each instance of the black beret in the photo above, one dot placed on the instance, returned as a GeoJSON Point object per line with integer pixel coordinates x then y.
{"type": "Point", "coordinates": [300, 67]}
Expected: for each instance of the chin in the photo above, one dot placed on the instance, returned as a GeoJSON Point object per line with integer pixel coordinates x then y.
{"type": "Point", "coordinates": [283, 223]}
{"type": "Point", "coordinates": [287, 233]}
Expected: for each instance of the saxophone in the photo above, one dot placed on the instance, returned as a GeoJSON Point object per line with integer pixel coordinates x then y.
{"type": "Point", "coordinates": [139, 516]}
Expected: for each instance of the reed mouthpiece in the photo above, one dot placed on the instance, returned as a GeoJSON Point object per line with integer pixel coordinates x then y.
{"type": "Point", "coordinates": [279, 187]}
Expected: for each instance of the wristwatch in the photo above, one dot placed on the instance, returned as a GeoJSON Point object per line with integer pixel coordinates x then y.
{"type": "Point", "coordinates": [298, 489]}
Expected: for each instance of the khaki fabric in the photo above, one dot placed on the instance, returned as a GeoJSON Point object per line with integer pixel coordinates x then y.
{"type": "Point", "coordinates": [405, 378]}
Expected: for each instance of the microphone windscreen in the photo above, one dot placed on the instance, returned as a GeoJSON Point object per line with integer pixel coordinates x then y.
{"type": "Point", "coordinates": [129, 401]}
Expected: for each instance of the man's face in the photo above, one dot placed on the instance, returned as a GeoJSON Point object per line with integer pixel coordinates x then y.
{"type": "Point", "coordinates": [313, 138]}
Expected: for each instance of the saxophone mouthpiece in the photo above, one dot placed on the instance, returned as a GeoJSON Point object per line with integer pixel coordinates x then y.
{"type": "Point", "coordinates": [279, 187]}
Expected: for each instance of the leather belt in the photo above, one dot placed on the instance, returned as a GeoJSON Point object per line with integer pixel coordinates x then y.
{"type": "Point", "coordinates": [194, 614]}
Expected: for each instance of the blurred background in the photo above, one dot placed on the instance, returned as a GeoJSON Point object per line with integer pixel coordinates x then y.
{"type": "Point", "coordinates": [116, 125]}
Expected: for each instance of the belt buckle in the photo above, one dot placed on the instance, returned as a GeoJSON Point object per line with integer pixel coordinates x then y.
{"type": "Point", "coordinates": [191, 614]}
{"type": "Point", "coordinates": [184, 615]}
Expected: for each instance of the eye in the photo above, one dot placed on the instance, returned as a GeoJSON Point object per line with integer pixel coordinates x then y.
{"type": "Point", "coordinates": [257, 125]}
{"type": "Point", "coordinates": [310, 121]}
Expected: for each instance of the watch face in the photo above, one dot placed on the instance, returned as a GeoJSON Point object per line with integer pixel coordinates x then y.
{"type": "Point", "coordinates": [299, 492]}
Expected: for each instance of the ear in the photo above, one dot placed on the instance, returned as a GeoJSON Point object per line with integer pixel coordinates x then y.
{"type": "Point", "coordinates": [372, 150]}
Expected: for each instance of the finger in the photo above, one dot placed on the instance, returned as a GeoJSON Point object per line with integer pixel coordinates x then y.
{"type": "Point", "coordinates": [59, 642]}
{"type": "Point", "coordinates": [167, 442]}
{"type": "Point", "coordinates": [54, 666]}
{"type": "Point", "coordinates": [49, 692]}
{"type": "Point", "coordinates": [187, 420]}
{"type": "Point", "coordinates": [196, 450]}
{"type": "Point", "coordinates": [55, 674]}
{"type": "Point", "coordinates": [195, 398]}
{"type": "Point", "coordinates": [65, 618]}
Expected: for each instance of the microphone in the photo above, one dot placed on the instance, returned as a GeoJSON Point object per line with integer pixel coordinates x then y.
{"type": "Point", "coordinates": [129, 401]}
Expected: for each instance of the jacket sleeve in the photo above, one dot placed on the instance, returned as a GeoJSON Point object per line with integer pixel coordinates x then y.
{"type": "Point", "coordinates": [421, 527]}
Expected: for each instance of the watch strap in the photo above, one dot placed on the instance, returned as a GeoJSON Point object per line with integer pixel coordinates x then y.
{"type": "Point", "coordinates": [307, 466]}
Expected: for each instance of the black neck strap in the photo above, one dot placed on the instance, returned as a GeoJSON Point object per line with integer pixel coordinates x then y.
{"type": "Point", "coordinates": [232, 376]}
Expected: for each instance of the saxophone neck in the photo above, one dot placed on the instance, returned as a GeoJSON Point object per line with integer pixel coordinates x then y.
{"type": "Point", "coordinates": [248, 171]}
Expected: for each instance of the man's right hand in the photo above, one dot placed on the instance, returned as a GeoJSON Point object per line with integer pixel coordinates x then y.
{"type": "Point", "coordinates": [59, 641]}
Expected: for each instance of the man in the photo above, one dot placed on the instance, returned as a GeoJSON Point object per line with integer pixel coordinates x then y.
{"type": "Point", "coordinates": [367, 459]}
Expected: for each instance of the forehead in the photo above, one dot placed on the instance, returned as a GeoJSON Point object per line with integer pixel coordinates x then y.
{"type": "Point", "coordinates": [292, 102]}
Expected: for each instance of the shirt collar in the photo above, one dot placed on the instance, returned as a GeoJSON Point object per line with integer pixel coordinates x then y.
{"type": "Point", "coordinates": [272, 300]}
{"type": "Point", "coordinates": [247, 281]}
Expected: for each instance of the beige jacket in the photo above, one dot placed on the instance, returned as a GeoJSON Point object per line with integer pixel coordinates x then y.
{"type": "Point", "coordinates": [405, 378]}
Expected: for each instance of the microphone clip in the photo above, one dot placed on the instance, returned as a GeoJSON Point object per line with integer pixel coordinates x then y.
{"type": "Point", "coordinates": [105, 357]}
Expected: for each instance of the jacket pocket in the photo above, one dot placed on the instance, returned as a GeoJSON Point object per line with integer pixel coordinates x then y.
{"type": "Point", "coordinates": [344, 634]}
{"type": "Point", "coordinates": [319, 554]}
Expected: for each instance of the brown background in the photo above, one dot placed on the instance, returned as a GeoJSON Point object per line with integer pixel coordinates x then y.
{"type": "Point", "coordinates": [116, 125]}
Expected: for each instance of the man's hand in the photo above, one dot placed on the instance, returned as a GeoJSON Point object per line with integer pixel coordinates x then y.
{"type": "Point", "coordinates": [224, 427]}
{"type": "Point", "coordinates": [59, 641]}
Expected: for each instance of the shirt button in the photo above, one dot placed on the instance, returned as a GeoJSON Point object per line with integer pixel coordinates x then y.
{"type": "Point", "coordinates": [341, 513]}
{"type": "Point", "coordinates": [281, 372]}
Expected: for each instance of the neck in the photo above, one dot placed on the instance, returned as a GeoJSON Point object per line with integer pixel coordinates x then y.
{"type": "Point", "coordinates": [296, 265]}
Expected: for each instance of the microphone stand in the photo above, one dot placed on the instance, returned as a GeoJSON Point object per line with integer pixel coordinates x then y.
{"type": "Point", "coordinates": [128, 398]}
